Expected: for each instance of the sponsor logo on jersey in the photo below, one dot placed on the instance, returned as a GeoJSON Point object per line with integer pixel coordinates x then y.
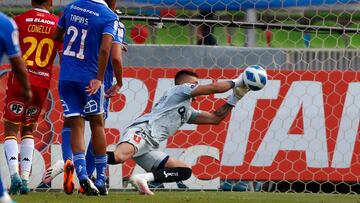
{"type": "Point", "coordinates": [40, 73]}
{"type": "Point", "coordinates": [84, 10]}
{"type": "Point", "coordinates": [29, 20]}
{"type": "Point", "coordinates": [45, 21]}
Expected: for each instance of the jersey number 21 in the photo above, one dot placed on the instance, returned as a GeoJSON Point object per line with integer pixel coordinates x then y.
{"type": "Point", "coordinates": [75, 32]}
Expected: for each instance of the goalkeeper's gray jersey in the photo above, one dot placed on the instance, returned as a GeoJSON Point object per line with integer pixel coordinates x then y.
{"type": "Point", "coordinates": [169, 114]}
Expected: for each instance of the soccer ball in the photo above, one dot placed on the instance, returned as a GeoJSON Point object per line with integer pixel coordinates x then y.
{"type": "Point", "coordinates": [255, 77]}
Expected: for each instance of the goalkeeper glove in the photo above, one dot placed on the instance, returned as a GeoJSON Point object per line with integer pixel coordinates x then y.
{"type": "Point", "coordinates": [238, 93]}
{"type": "Point", "coordinates": [238, 81]}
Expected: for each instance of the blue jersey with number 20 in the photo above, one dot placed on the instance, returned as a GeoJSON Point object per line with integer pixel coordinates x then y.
{"type": "Point", "coordinates": [84, 23]}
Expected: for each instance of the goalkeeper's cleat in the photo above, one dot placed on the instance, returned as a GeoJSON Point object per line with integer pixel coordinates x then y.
{"type": "Point", "coordinates": [53, 171]}
{"type": "Point", "coordinates": [69, 184]}
{"type": "Point", "coordinates": [24, 189]}
{"type": "Point", "coordinates": [15, 184]}
{"type": "Point", "coordinates": [6, 198]}
{"type": "Point", "coordinates": [89, 187]}
{"type": "Point", "coordinates": [141, 185]}
{"type": "Point", "coordinates": [181, 185]}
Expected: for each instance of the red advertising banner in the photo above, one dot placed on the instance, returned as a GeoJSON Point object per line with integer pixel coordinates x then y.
{"type": "Point", "coordinates": [304, 125]}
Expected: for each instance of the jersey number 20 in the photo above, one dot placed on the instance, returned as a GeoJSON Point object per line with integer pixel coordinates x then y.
{"type": "Point", "coordinates": [38, 48]}
{"type": "Point", "coordinates": [74, 31]}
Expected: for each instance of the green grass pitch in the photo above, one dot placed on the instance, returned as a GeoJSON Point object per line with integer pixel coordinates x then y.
{"type": "Point", "coordinates": [188, 197]}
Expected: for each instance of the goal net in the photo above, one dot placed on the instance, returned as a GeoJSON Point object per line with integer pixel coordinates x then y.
{"type": "Point", "coordinates": [300, 133]}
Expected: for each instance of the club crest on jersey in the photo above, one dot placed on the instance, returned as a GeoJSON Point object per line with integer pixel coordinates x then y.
{"type": "Point", "coordinates": [16, 107]}
{"type": "Point", "coordinates": [32, 111]}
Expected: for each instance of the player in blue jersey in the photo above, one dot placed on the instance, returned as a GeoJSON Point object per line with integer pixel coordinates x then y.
{"type": "Point", "coordinates": [9, 44]}
{"type": "Point", "coordinates": [114, 67]}
{"type": "Point", "coordinates": [87, 29]}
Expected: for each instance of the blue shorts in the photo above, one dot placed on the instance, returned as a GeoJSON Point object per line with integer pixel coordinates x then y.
{"type": "Point", "coordinates": [108, 85]}
{"type": "Point", "coordinates": [106, 107]}
{"type": "Point", "coordinates": [76, 101]}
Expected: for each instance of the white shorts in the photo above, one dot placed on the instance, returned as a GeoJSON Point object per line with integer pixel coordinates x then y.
{"type": "Point", "coordinates": [146, 156]}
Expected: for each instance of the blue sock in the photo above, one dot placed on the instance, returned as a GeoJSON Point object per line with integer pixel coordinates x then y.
{"type": "Point", "coordinates": [80, 166]}
{"type": "Point", "coordinates": [90, 159]}
{"type": "Point", "coordinates": [100, 164]}
{"type": "Point", "coordinates": [2, 188]}
{"type": "Point", "coordinates": [66, 144]}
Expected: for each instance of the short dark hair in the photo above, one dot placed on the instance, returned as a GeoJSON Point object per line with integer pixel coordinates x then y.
{"type": "Point", "coordinates": [182, 73]}
{"type": "Point", "coordinates": [40, 2]}
{"type": "Point", "coordinates": [110, 2]}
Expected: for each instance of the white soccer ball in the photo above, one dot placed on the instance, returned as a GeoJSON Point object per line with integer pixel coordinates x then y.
{"type": "Point", "coordinates": [255, 77]}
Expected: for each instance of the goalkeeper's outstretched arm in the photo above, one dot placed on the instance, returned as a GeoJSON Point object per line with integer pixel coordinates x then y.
{"type": "Point", "coordinates": [217, 87]}
{"type": "Point", "coordinates": [214, 117]}
{"type": "Point", "coordinates": [220, 114]}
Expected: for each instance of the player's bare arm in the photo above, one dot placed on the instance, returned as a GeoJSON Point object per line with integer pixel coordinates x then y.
{"type": "Point", "coordinates": [117, 63]}
{"type": "Point", "coordinates": [104, 54]}
{"type": "Point", "coordinates": [19, 69]}
{"type": "Point", "coordinates": [116, 57]}
{"type": "Point", "coordinates": [58, 35]}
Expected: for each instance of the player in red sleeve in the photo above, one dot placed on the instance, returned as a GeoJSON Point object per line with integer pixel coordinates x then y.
{"type": "Point", "coordinates": [36, 27]}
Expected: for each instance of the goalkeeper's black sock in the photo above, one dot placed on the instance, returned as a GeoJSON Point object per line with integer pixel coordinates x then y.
{"type": "Point", "coordinates": [111, 158]}
{"type": "Point", "coordinates": [167, 175]}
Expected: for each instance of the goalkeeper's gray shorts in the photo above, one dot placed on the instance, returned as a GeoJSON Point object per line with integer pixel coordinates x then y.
{"type": "Point", "coordinates": [146, 156]}
{"type": "Point", "coordinates": [151, 160]}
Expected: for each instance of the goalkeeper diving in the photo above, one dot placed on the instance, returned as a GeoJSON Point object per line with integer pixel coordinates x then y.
{"type": "Point", "coordinates": [142, 138]}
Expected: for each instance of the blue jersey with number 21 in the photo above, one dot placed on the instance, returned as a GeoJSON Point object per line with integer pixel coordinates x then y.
{"type": "Point", "coordinates": [84, 23]}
